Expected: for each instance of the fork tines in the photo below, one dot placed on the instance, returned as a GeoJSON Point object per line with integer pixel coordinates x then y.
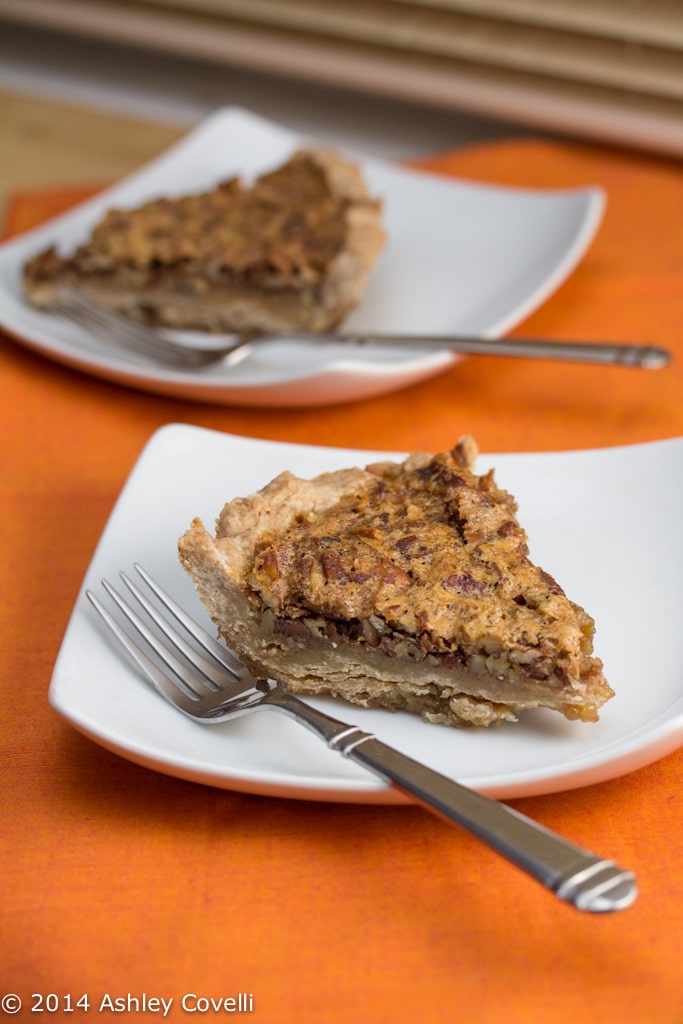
{"type": "Point", "coordinates": [125, 333]}
{"type": "Point", "coordinates": [184, 659]}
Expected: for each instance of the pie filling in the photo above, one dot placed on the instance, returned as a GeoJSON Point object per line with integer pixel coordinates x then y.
{"type": "Point", "coordinates": [366, 662]}
{"type": "Point", "coordinates": [373, 632]}
{"type": "Point", "coordinates": [234, 307]}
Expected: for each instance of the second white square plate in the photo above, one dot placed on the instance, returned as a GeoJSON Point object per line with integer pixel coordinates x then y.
{"type": "Point", "coordinates": [460, 258]}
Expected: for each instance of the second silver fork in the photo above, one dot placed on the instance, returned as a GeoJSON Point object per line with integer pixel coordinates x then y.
{"type": "Point", "coordinates": [208, 683]}
{"type": "Point", "coordinates": [158, 346]}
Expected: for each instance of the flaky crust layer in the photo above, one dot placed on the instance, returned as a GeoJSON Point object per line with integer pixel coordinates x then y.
{"type": "Point", "coordinates": [406, 586]}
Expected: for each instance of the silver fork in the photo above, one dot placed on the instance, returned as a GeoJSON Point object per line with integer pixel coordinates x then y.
{"type": "Point", "coordinates": [158, 346]}
{"type": "Point", "coordinates": [207, 682]}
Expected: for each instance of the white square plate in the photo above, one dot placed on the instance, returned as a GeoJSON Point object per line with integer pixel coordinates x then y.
{"type": "Point", "coordinates": [460, 257]}
{"type": "Point", "coordinates": [606, 523]}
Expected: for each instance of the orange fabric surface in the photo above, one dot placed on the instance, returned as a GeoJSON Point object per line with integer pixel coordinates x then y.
{"type": "Point", "coordinates": [117, 880]}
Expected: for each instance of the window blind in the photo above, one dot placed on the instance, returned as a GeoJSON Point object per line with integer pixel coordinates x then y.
{"type": "Point", "coordinates": [607, 69]}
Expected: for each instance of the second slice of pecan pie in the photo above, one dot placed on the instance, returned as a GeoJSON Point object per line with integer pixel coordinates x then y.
{"type": "Point", "coordinates": [405, 585]}
{"type": "Point", "coordinates": [293, 251]}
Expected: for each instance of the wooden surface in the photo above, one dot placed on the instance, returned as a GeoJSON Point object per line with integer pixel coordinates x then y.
{"type": "Point", "coordinates": [48, 143]}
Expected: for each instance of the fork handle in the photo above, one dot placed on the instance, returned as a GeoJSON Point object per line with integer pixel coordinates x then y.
{"type": "Point", "coordinates": [573, 874]}
{"type": "Point", "coordinates": [581, 878]}
{"type": "Point", "coordinates": [609, 353]}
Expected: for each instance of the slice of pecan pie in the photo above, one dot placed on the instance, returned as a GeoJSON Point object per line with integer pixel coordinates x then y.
{"type": "Point", "coordinates": [293, 251]}
{"type": "Point", "coordinates": [404, 586]}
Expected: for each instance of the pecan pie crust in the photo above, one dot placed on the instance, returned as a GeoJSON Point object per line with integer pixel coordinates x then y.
{"type": "Point", "coordinates": [293, 251]}
{"type": "Point", "coordinates": [405, 586]}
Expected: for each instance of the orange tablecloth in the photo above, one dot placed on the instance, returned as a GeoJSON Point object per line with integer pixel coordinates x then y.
{"type": "Point", "coordinates": [117, 881]}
